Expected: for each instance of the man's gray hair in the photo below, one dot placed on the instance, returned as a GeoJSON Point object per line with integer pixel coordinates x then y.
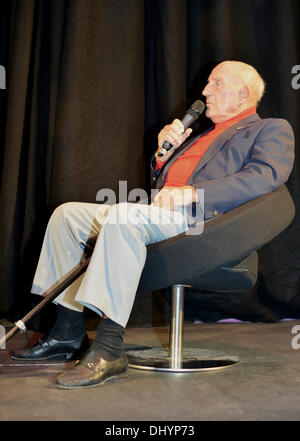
{"type": "Point", "coordinates": [250, 76]}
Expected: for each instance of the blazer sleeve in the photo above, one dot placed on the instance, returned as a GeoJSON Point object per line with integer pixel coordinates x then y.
{"type": "Point", "coordinates": [153, 173]}
{"type": "Point", "coordinates": [269, 165]}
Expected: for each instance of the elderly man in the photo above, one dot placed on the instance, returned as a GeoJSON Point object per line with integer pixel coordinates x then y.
{"type": "Point", "coordinates": [239, 159]}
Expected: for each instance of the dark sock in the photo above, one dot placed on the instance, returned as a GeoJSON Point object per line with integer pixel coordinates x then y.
{"type": "Point", "coordinates": [109, 340]}
{"type": "Point", "coordinates": [69, 325]}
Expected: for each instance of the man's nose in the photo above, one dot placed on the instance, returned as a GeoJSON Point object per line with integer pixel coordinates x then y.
{"type": "Point", "coordinates": [206, 91]}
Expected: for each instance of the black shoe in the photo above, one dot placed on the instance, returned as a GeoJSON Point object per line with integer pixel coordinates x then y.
{"type": "Point", "coordinates": [92, 371]}
{"type": "Point", "coordinates": [48, 348]}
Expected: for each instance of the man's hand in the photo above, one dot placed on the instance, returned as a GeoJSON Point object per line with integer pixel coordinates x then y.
{"type": "Point", "coordinates": [173, 133]}
{"type": "Point", "coordinates": [172, 197]}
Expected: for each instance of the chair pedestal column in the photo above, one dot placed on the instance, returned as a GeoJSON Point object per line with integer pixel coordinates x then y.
{"type": "Point", "coordinates": [176, 331]}
{"type": "Point", "coordinates": [179, 359]}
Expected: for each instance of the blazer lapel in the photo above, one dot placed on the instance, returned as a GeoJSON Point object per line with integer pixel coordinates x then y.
{"type": "Point", "coordinates": [223, 138]}
{"type": "Point", "coordinates": [213, 148]}
{"type": "Point", "coordinates": [165, 168]}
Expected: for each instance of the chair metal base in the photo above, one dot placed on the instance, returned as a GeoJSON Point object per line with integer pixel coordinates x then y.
{"type": "Point", "coordinates": [178, 359]}
{"type": "Point", "coordinates": [193, 360]}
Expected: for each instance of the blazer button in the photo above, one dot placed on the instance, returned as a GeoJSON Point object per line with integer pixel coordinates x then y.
{"type": "Point", "coordinates": [216, 213]}
{"type": "Point", "coordinates": [153, 179]}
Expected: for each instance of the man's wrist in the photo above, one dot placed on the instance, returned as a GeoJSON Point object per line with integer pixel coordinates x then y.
{"type": "Point", "coordinates": [160, 159]}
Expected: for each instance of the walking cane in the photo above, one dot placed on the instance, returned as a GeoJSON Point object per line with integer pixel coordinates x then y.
{"type": "Point", "coordinates": [59, 288]}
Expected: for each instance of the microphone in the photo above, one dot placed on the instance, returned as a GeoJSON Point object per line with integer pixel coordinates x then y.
{"type": "Point", "coordinates": [191, 115]}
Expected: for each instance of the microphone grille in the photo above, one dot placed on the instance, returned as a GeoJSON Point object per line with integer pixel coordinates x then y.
{"type": "Point", "coordinates": [196, 109]}
{"type": "Point", "coordinates": [198, 106]}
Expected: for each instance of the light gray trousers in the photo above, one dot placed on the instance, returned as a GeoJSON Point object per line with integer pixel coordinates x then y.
{"type": "Point", "coordinates": [121, 233]}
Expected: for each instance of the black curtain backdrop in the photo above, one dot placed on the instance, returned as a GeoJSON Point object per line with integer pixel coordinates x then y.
{"type": "Point", "coordinates": [89, 83]}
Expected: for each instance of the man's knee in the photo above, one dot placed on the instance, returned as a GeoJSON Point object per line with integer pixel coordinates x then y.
{"type": "Point", "coordinates": [63, 214]}
{"type": "Point", "coordinates": [124, 213]}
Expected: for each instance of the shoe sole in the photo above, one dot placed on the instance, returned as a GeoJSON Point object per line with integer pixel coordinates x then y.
{"type": "Point", "coordinates": [61, 357]}
{"type": "Point", "coordinates": [90, 386]}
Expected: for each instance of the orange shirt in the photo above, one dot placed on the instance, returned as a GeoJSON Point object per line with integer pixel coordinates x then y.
{"type": "Point", "coordinates": [183, 167]}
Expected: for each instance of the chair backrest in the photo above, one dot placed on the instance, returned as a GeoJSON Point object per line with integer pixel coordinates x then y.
{"type": "Point", "coordinates": [225, 241]}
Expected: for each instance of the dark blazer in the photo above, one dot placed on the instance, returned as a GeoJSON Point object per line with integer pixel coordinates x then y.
{"type": "Point", "coordinates": [253, 157]}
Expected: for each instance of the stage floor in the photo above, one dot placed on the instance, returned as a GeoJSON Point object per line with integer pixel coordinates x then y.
{"type": "Point", "coordinates": [265, 385]}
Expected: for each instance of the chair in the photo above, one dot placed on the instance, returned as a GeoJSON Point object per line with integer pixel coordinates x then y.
{"type": "Point", "coordinates": [222, 258]}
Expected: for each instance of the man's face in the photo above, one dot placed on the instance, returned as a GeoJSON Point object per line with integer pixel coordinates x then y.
{"type": "Point", "coordinates": [223, 94]}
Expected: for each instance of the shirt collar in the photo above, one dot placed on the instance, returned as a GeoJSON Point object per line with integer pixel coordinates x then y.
{"type": "Point", "coordinates": [242, 115]}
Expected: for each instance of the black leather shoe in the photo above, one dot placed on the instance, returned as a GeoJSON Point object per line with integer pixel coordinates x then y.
{"type": "Point", "coordinates": [48, 348]}
{"type": "Point", "coordinates": [92, 371]}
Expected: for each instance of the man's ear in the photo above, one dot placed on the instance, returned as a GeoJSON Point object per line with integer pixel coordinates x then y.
{"type": "Point", "coordinates": [244, 94]}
